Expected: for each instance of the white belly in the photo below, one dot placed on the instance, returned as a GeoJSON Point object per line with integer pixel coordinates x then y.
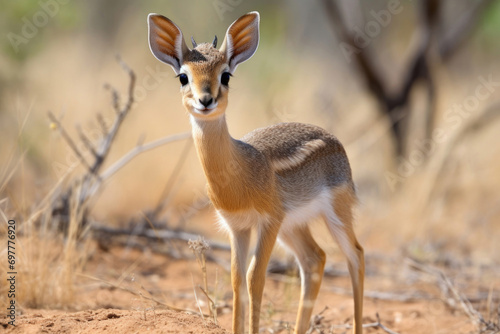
{"type": "Point", "coordinates": [298, 216]}
{"type": "Point", "coordinates": [303, 214]}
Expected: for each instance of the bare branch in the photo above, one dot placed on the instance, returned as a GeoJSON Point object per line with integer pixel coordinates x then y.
{"type": "Point", "coordinates": [69, 141]}
{"type": "Point", "coordinates": [377, 324]}
{"type": "Point", "coordinates": [391, 103]}
{"type": "Point", "coordinates": [131, 84]}
{"type": "Point", "coordinates": [381, 326]}
{"type": "Point", "coordinates": [394, 104]}
{"type": "Point", "coordinates": [115, 96]}
{"type": "Point", "coordinates": [451, 294]}
{"type": "Point", "coordinates": [91, 181]}
{"type": "Point", "coordinates": [141, 149]}
{"type": "Point", "coordinates": [86, 141]}
{"type": "Point", "coordinates": [102, 124]}
{"type": "Point", "coordinates": [363, 57]}
{"type": "Point", "coordinates": [105, 145]}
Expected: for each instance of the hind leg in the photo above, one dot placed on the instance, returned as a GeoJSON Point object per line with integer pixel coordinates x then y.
{"type": "Point", "coordinates": [339, 221]}
{"type": "Point", "coordinates": [311, 259]}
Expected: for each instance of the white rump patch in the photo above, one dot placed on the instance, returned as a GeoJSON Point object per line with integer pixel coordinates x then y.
{"type": "Point", "coordinates": [241, 220]}
{"type": "Point", "coordinates": [299, 156]}
{"type": "Point", "coordinates": [303, 214]}
{"type": "Point", "coordinates": [321, 205]}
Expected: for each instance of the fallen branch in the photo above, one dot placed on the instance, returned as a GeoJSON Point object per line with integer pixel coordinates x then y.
{"type": "Point", "coordinates": [381, 326]}
{"type": "Point", "coordinates": [155, 234]}
{"type": "Point", "coordinates": [384, 295]}
{"type": "Point", "coordinates": [317, 325]}
{"type": "Point", "coordinates": [377, 295]}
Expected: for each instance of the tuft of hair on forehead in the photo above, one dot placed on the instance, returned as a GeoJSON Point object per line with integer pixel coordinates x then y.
{"type": "Point", "coordinates": [204, 52]}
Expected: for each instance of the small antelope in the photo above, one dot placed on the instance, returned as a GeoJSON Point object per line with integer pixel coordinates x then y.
{"type": "Point", "coordinates": [275, 179]}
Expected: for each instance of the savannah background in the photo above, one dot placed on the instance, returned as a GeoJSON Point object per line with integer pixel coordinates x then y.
{"type": "Point", "coordinates": [418, 117]}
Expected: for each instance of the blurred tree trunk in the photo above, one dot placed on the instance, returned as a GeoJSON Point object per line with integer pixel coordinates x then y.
{"type": "Point", "coordinates": [434, 40]}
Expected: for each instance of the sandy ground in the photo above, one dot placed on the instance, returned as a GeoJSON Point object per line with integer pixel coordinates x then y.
{"type": "Point", "coordinates": [112, 321]}
{"type": "Point", "coordinates": [119, 298]}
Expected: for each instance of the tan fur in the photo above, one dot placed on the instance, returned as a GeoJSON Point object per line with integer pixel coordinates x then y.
{"type": "Point", "coordinates": [298, 157]}
{"type": "Point", "coordinates": [274, 179]}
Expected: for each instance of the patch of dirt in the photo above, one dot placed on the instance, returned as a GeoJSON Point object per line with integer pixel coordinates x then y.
{"type": "Point", "coordinates": [111, 321]}
{"type": "Point", "coordinates": [120, 293]}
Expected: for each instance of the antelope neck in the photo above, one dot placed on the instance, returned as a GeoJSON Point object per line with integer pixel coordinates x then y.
{"type": "Point", "coordinates": [216, 148]}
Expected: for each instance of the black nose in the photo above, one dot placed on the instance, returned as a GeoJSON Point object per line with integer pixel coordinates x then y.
{"type": "Point", "coordinates": [206, 101]}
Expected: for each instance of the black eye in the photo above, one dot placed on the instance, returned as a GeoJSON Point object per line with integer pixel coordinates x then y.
{"type": "Point", "coordinates": [184, 79]}
{"type": "Point", "coordinates": [224, 79]}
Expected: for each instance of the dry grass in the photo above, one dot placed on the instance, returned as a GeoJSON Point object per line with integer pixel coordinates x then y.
{"type": "Point", "coordinates": [47, 261]}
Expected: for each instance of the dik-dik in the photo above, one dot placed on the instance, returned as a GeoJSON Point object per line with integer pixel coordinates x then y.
{"type": "Point", "coordinates": [274, 180]}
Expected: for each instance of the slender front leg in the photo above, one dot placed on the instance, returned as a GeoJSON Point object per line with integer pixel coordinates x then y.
{"type": "Point", "coordinates": [256, 276]}
{"type": "Point", "coordinates": [239, 251]}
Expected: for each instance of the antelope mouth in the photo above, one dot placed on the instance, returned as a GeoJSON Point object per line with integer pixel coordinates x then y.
{"type": "Point", "coordinates": [205, 110]}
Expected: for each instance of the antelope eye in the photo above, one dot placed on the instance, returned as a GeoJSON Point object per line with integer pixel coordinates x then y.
{"type": "Point", "coordinates": [183, 79]}
{"type": "Point", "coordinates": [224, 79]}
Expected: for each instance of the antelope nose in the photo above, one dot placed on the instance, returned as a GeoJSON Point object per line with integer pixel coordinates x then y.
{"type": "Point", "coordinates": [206, 101]}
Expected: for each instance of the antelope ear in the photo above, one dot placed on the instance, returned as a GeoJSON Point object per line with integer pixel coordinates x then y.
{"type": "Point", "coordinates": [242, 39]}
{"type": "Point", "coordinates": [166, 41]}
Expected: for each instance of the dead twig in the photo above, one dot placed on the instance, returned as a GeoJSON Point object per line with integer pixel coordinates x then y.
{"type": "Point", "coordinates": [199, 247]}
{"type": "Point", "coordinates": [68, 140]}
{"type": "Point", "coordinates": [381, 326]}
{"type": "Point", "coordinates": [213, 307]}
{"type": "Point", "coordinates": [102, 124]}
{"type": "Point", "coordinates": [452, 297]}
{"type": "Point", "coordinates": [377, 324]}
{"type": "Point", "coordinates": [159, 302]}
{"type": "Point", "coordinates": [198, 302]}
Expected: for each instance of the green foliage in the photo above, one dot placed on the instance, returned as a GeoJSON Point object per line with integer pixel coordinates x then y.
{"type": "Point", "coordinates": [490, 25]}
{"type": "Point", "coordinates": [25, 22]}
